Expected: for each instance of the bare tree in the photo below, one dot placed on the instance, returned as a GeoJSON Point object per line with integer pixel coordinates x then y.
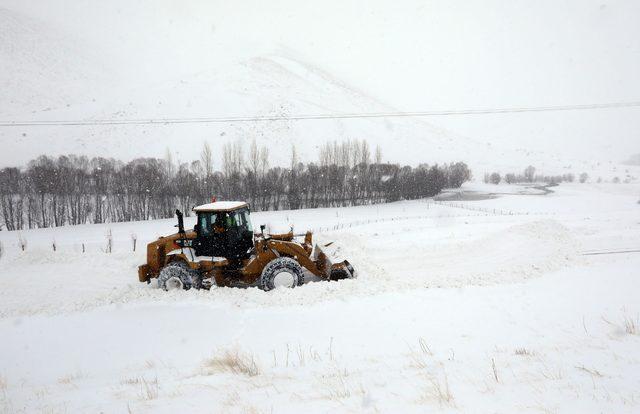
{"type": "Point", "coordinates": [168, 163]}
{"type": "Point", "coordinates": [254, 157]}
{"type": "Point", "coordinates": [206, 158]}
{"type": "Point", "coordinates": [325, 155]}
{"type": "Point", "coordinates": [365, 153]}
{"type": "Point", "coordinates": [584, 177]}
{"type": "Point", "coordinates": [294, 156]}
{"type": "Point", "coordinates": [264, 160]}
{"type": "Point", "coordinates": [356, 153]}
{"type": "Point", "coordinates": [227, 159]}
{"type": "Point", "coordinates": [238, 156]}
{"type": "Point", "coordinates": [378, 156]}
{"type": "Point", "coordinates": [529, 173]}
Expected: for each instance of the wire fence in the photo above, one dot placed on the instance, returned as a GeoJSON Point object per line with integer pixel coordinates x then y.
{"type": "Point", "coordinates": [493, 211]}
{"type": "Point", "coordinates": [430, 203]}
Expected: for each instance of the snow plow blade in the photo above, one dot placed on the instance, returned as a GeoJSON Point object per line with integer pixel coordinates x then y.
{"type": "Point", "coordinates": [344, 266]}
{"type": "Point", "coordinates": [332, 271]}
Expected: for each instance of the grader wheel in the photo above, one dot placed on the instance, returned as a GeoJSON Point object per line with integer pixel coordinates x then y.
{"type": "Point", "coordinates": [174, 276]}
{"type": "Point", "coordinates": [281, 272]}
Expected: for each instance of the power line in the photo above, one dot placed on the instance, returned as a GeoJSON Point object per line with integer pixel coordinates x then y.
{"type": "Point", "coordinates": [204, 120]}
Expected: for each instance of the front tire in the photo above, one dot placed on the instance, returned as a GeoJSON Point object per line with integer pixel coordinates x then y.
{"type": "Point", "coordinates": [281, 272]}
{"type": "Point", "coordinates": [175, 276]}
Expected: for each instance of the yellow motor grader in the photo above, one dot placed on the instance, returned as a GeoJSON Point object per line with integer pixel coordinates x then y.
{"type": "Point", "coordinates": [222, 250]}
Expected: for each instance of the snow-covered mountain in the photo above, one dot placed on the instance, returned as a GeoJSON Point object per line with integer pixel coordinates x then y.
{"type": "Point", "coordinates": [92, 60]}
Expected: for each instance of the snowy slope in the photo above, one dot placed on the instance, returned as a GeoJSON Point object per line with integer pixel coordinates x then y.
{"type": "Point", "coordinates": [123, 60]}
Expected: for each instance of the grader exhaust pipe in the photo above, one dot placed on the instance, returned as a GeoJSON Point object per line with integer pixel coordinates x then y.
{"type": "Point", "coordinates": [180, 221]}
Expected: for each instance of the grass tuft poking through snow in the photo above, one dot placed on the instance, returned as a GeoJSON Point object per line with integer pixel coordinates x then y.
{"type": "Point", "coordinates": [495, 370]}
{"type": "Point", "coordinates": [631, 325]}
{"type": "Point", "coordinates": [419, 358]}
{"type": "Point", "coordinates": [149, 389]}
{"type": "Point", "coordinates": [552, 373]}
{"type": "Point", "coordinates": [233, 361]}
{"type": "Point", "coordinates": [591, 371]}
{"type": "Point", "coordinates": [70, 378]}
{"type": "Point", "coordinates": [437, 389]}
{"type": "Point", "coordinates": [5, 403]}
{"type": "Point", "coordinates": [131, 381]}
{"type": "Point", "coordinates": [338, 385]}
{"type": "Point", "coordinates": [524, 352]}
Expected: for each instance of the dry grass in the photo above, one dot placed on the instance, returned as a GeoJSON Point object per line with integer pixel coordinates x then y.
{"type": "Point", "coordinates": [250, 409]}
{"type": "Point", "coordinates": [592, 372]}
{"type": "Point", "coordinates": [631, 325]}
{"type": "Point", "coordinates": [494, 370]}
{"type": "Point", "coordinates": [338, 386]}
{"type": "Point", "coordinates": [303, 356]}
{"type": "Point", "coordinates": [149, 389]}
{"type": "Point", "coordinates": [437, 389]}
{"type": "Point", "coordinates": [5, 404]}
{"type": "Point", "coordinates": [41, 392]}
{"type": "Point", "coordinates": [524, 352]}
{"type": "Point", "coordinates": [70, 378]}
{"type": "Point", "coordinates": [234, 402]}
{"type": "Point", "coordinates": [419, 357]}
{"type": "Point", "coordinates": [233, 361]}
{"type": "Point", "coordinates": [424, 347]}
{"type": "Point", "coordinates": [552, 373]}
{"type": "Point", "coordinates": [131, 381]}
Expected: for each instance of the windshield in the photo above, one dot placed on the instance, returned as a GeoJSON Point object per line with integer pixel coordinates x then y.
{"type": "Point", "coordinates": [238, 219]}
{"type": "Point", "coordinates": [218, 222]}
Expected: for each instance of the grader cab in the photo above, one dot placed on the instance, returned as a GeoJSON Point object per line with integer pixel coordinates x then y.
{"type": "Point", "coordinates": [223, 250]}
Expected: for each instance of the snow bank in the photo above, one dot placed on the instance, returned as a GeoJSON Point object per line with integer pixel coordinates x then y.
{"type": "Point", "coordinates": [388, 256]}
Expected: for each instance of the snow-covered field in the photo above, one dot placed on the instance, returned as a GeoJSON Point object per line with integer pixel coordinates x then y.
{"type": "Point", "coordinates": [460, 306]}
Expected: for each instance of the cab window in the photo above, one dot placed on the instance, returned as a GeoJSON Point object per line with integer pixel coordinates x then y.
{"type": "Point", "coordinates": [246, 219]}
{"type": "Point", "coordinates": [206, 222]}
{"type": "Point", "coordinates": [238, 219]}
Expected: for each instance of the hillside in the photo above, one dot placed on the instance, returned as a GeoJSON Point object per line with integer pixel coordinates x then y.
{"type": "Point", "coordinates": [158, 60]}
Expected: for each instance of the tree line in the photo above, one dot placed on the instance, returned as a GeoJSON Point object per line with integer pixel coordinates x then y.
{"type": "Point", "coordinates": [72, 189]}
{"type": "Point", "coordinates": [529, 176]}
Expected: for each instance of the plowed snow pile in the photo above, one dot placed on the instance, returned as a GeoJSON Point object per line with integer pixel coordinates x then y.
{"type": "Point", "coordinates": [404, 260]}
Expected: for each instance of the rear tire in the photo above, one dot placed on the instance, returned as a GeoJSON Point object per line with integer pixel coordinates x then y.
{"type": "Point", "coordinates": [174, 276]}
{"type": "Point", "coordinates": [281, 272]}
